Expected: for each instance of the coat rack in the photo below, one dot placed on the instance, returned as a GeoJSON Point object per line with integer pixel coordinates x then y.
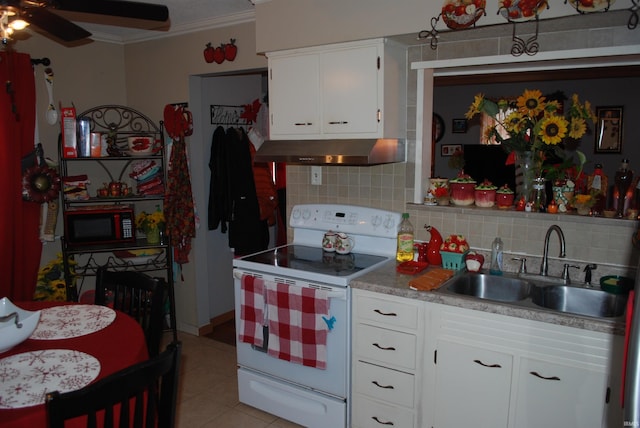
{"type": "Point", "coordinates": [228, 115]}
{"type": "Point", "coordinates": [44, 61]}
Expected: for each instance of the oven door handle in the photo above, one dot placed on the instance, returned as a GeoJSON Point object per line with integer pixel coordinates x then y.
{"type": "Point", "coordinates": [332, 292]}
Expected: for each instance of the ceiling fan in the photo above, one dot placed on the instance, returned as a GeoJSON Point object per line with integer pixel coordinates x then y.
{"type": "Point", "coordinates": [42, 14]}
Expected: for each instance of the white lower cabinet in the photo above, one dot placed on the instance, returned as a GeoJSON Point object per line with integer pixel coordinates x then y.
{"type": "Point", "coordinates": [569, 396]}
{"type": "Point", "coordinates": [425, 365]}
{"type": "Point", "coordinates": [495, 371]}
{"type": "Point", "coordinates": [387, 356]}
{"type": "Point", "coordinates": [472, 386]}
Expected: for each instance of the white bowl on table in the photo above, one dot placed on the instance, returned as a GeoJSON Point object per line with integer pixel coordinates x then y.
{"type": "Point", "coordinates": [16, 324]}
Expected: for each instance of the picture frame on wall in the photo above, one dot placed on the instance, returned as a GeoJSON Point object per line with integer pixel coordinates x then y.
{"type": "Point", "coordinates": [449, 149]}
{"type": "Point", "coordinates": [608, 129]}
{"type": "Point", "coordinates": [459, 126]}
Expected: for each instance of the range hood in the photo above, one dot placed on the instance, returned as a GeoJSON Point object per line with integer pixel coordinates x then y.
{"type": "Point", "coordinates": [333, 152]}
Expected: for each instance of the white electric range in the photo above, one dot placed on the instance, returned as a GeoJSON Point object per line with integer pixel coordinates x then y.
{"type": "Point", "coordinates": [305, 395]}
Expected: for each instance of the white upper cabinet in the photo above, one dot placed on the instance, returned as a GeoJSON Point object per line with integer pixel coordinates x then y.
{"type": "Point", "coordinates": [348, 90]}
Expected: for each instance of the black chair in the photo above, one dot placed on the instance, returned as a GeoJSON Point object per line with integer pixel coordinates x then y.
{"type": "Point", "coordinates": [138, 295]}
{"type": "Point", "coordinates": [142, 395]}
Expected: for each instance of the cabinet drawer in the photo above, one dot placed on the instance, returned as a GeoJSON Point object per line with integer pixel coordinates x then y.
{"type": "Point", "coordinates": [367, 413]}
{"type": "Point", "coordinates": [388, 385]}
{"type": "Point", "coordinates": [385, 346]}
{"type": "Point", "coordinates": [391, 313]}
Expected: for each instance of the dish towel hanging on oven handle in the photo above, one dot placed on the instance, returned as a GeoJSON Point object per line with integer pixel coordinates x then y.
{"type": "Point", "coordinates": [252, 307]}
{"type": "Point", "coordinates": [298, 327]}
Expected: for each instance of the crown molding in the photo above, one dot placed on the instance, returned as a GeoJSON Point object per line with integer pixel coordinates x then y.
{"type": "Point", "coordinates": [207, 24]}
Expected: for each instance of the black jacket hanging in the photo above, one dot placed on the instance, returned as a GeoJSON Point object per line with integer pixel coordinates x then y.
{"type": "Point", "coordinates": [247, 233]}
{"type": "Point", "coordinates": [219, 186]}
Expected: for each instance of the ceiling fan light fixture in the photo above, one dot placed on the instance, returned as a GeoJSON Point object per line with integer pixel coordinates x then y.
{"type": "Point", "coordinates": [18, 24]}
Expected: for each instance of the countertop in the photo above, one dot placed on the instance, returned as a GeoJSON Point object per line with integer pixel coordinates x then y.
{"type": "Point", "coordinates": [386, 280]}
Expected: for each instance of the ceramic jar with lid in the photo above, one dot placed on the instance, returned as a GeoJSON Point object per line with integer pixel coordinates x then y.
{"type": "Point", "coordinates": [462, 190]}
{"type": "Point", "coordinates": [485, 194]}
{"type": "Point", "coordinates": [505, 197]}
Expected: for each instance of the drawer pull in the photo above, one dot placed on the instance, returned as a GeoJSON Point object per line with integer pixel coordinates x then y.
{"type": "Point", "coordinates": [303, 123]}
{"type": "Point", "coordinates": [385, 314]}
{"type": "Point", "coordinates": [375, 418]}
{"type": "Point", "coordinates": [388, 348]}
{"type": "Point", "coordinates": [340, 122]}
{"type": "Point", "coordinates": [375, 382]}
{"type": "Point", "coordinates": [536, 374]}
{"type": "Point", "coordinates": [491, 366]}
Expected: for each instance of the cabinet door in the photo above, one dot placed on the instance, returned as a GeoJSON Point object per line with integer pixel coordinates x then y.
{"type": "Point", "coordinates": [472, 386]}
{"type": "Point", "coordinates": [350, 91]}
{"type": "Point", "coordinates": [556, 395]}
{"type": "Point", "coordinates": [294, 95]}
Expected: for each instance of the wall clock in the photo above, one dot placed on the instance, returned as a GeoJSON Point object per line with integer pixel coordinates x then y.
{"type": "Point", "coordinates": [438, 127]}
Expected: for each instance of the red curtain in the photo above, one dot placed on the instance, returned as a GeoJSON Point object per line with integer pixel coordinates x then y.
{"type": "Point", "coordinates": [19, 220]}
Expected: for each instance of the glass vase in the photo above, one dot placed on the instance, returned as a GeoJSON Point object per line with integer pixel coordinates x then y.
{"type": "Point", "coordinates": [525, 174]}
{"type": "Point", "coordinates": [538, 195]}
{"type": "Point", "coordinates": [153, 236]}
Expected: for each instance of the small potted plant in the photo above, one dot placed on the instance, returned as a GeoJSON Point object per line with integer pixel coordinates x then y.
{"type": "Point", "coordinates": [151, 225]}
{"type": "Point", "coordinates": [442, 195]}
{"type": "Point", "coordinates": [584, 202]}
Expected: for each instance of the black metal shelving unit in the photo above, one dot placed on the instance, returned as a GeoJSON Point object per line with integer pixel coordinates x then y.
{"type": "Point", "coordinates": [117, 123]}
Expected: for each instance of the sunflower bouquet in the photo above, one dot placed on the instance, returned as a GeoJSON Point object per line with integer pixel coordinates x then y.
{"type": "Point", "coordinates": [533, 123]}
{"type": "Point", "coordinates": [149, 222]}
{"type": "Point", "coordinates": [51, 284]}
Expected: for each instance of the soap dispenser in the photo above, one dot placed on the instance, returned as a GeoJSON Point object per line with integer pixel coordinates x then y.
{"type": "Point", "coordinates": [496, 257]}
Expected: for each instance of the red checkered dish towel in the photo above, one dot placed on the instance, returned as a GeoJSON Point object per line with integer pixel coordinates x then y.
{"type": "Point", "coordinates": [297, 332]}
{"type": "Point", "coordinates": [251, 310]}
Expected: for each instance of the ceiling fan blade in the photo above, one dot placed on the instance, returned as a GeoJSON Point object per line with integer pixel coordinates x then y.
{"type": "Point", "coordinates": [55, 25]}
{"type": "Point", "coordinates": [120, 8]}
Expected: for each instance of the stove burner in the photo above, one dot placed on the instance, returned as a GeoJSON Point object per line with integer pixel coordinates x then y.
{"type": "Point", "coordinates": [315, 260]}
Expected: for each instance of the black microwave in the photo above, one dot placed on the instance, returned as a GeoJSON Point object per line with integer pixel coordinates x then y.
{"type": "Point", "coordinates": [99, 224]}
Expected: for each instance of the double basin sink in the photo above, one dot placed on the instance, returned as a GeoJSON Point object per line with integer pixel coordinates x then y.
{"type": "Point", "coordinates": [543, 294]}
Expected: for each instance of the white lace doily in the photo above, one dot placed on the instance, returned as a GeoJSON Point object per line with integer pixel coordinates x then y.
{"type": "Point", "coordinates": [26, 378]}
{"type": "Point", "coordinates": [64, 322]}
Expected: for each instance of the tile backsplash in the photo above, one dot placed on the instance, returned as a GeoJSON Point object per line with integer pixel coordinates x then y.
{"type": "Point", "coordinates": [606, 242]}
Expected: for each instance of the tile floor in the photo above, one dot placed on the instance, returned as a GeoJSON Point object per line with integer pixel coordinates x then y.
{"type": "Point", "coordinates": [208, 395]}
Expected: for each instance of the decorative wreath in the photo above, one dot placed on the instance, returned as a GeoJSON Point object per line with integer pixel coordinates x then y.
{"type": "Point", "coordinates": [40, 184]}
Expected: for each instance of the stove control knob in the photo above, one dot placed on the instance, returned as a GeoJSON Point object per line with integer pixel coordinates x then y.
{"type": "Point", "coordinates": [389, 223]}
{"type": "Point", "coordinates": [306, 214]}
{"type": "Point", "coordinates": [295, 213]}
{"type": "Point", "coordinates": [376, 221]}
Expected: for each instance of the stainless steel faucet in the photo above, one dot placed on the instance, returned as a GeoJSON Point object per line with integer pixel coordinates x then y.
{"type": "Point", "coordinates": [544, 267]}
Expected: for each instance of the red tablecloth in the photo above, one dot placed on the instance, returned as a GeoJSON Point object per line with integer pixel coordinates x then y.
{"type": "Point", "coordinates": [117, 346]}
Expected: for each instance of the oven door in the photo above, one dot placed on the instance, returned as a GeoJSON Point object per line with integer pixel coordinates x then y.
{"type": "Point", "coordinates": [333, 380]}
